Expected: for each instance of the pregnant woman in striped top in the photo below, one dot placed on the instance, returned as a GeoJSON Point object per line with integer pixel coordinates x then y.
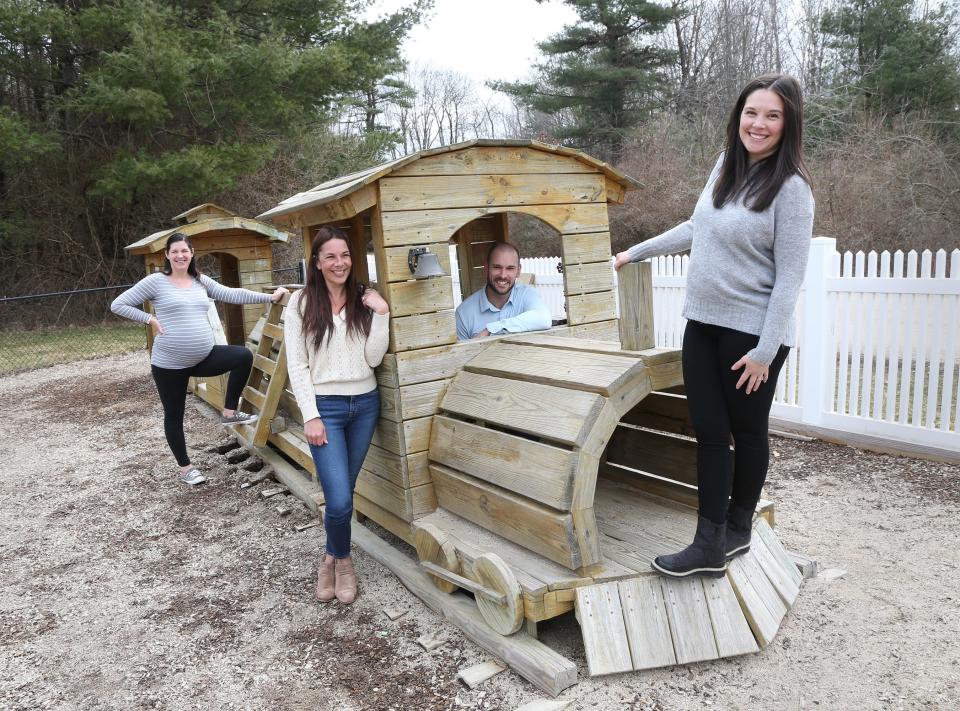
{"type": "Point", "coordinates": [183, 346]}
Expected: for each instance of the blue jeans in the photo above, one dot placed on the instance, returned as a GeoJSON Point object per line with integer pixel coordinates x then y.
{"type": "Point", "coordinates": [350, 421]}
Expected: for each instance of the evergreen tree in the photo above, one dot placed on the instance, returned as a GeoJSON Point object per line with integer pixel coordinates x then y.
{"type": "Point", "coordinates": [901, 61]}
{"type": "Point", "coordinates": [110, 106]}
{"type": "Point", "coordinates": [600, 76]}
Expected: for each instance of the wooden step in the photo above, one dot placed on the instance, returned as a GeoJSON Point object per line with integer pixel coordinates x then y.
{"type": "Point", "coordinates": [264, 364]}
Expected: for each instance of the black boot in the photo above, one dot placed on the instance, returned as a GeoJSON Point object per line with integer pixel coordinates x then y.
{"type": "Point", "coordinates": [739, 525]}
{"type": "Point", "coordinates": [705, 556]}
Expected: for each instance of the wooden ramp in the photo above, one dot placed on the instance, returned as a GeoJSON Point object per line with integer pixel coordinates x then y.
{"type": "Point", "coordinates": [653, 621]}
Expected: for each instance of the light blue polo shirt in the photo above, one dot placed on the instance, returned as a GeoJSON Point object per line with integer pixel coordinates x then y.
{"type": "Point", "coordinates": [524, 311]}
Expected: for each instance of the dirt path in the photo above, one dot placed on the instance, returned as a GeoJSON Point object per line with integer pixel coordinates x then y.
{"type": "Point", "coordinates": [123, 589]}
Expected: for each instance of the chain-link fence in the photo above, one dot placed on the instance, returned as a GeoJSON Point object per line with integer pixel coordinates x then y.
{"type": "Point", "coordinates": [38, 330]}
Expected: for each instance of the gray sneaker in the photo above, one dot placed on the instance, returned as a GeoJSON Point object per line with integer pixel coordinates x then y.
{"type": "Point", "coordinates": [192, 477]}
{"type": "Point", "coordinates": [239, 418]}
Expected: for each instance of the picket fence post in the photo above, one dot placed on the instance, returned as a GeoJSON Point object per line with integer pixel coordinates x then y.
{"type": "Point", "coordinates": [815, 340]}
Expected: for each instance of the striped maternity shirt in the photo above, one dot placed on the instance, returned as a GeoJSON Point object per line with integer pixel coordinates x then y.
{"type": "Point", "coordinates": [187, 337]}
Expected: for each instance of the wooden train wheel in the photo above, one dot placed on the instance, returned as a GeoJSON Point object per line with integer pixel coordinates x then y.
{"type": "Point", "coordinates": [432, 546]}
{"type": "Point", "coordinates": [492, 573]}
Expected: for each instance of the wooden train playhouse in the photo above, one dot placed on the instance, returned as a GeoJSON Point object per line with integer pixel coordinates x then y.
{"type": "Point", "coordinates": [534, 474]}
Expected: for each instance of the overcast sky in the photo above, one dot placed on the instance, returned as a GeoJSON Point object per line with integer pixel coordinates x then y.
{"type": "Point", "coordinates": [485, 39]}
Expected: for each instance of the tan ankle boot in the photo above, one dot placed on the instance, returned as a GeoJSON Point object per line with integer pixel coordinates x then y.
{"type": "Point", "coordinates": [346, 581]}
{"type": "Point", "coordinates": [325, 579]}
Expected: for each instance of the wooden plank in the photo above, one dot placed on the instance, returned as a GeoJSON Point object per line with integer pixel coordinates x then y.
{"type": "Point", "coordinates": [254, 397]}
{"type": "Point", "coordinates": [459, 191]}
{"type": "Point", "coordinates": [407, 504]}
{"type": "Point", "coordinates": [413, 332]}
{"type": "Point", "coordinates": [684, 494]}
{"type": "Point", "coordinates": [730, 627]}
{"type": "Point", "coordinates": [635, 293]}
{"type": "Point", "coordinates": [602, 330]}
{"type": "Point", "coordinates": [763, 623]}
{"type": "Point", "coordinates": [384, 494]}
{"type": "Point", "coordinates": [616, 192]}
{"type": "Point", "coordinates": [390, 404]}
{"type": "Point", "coordinates": [419, 296]}
{"type": "Point", "coordinates": [599, 373]}
{"type": "Point", "coordinates": [520, 520]}
{"type": "Point", "coordinates": [427, 226]}
{"type": "Point", "coordinates": [292, 443]}
{"type": "Point", "coordinates": [762, 530]}
{"type": "Point", "coordinates": [780, 576]}
{"type": "Point", "coordinates": [559, 414]}
{"type": "Point", "coordinates": [436, 363]}
{"type": "Point", "coordinates": [493, 160]}
{"type": "Point", "coordinates": [406, 437]}
{"type": "Point", "coordinates": [389, 436]}
{"type": "Point", "coordinates": [273, 331]}
{"type": "Point", "coordinates": [587, 308]}
{"type": "Point", "coordinates": [534, 661]}
{"type": "Point", "coordinates": [423, 500]}
{"type": "Point", "coordinates": [254, 265]}
{"type": "Point", "coordinates": [587, 278]}
{"type": "Point", "coordinates": [255, 279]}
{"type": "Point", "coordinates": [538, 471]}
{"type": "Point", "coordinates": [689, 620]}
{"type": "Point", "coordinates": [583, 248]}
{"type": "Point", "coordinates": [393, 523]}
{"type": "Point", "coordinates": [656, 453]}
{"type": "Point", "coordinates": [604, 634]}
{"type": "Point", "coordinates": [561, 339]}
{"type": "Point", "coordinates": [264, 364]}
{"type": "Point", "coordinates": [761, 583]}
{"type": "Point", "coordinates": [341, 209]}
{"type": "Point", "coordinates": [645, 617]}
{"type": "Point", "coordinates": [421, 399]}
{"type": "Point", "coordinates": [416, 434]}
{"type": "Point", "coordinates": [395, 259]}
{"type": "Point", "coordinates": [387, 371]}
{"type": "Point", "coordinates": [405, 471]}
{"type": "Point", "coordinates": [662, 411]}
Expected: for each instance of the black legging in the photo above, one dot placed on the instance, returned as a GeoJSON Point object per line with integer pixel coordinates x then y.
{"type": "Point", "coordinates": [718, 409]}
{"type": "Point", "coordinates": [172, 386]}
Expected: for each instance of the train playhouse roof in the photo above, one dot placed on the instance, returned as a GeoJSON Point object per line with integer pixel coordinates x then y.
{"type": "Point", "coordinates": [353, 193]}
{"type": "Point", "coordinates": [209, 221]}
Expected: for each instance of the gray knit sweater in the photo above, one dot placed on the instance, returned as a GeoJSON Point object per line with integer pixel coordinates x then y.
{"type": "Point", "coordinates": [746, 267]}
{"type": "Point", "coordinates": [187, 337]}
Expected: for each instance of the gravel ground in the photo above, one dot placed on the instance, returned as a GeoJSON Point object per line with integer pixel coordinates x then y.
{"type": "Point", "coordinates": [124, 589]}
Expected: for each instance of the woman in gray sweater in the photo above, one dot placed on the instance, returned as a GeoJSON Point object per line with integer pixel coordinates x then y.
{"type": "Point", "coordinates": [748, 237]}
{"type": "Point", "coordinates": [183, 346]}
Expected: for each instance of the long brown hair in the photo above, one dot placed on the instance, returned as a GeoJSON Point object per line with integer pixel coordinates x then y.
{"type": "Point", "coordinates": [759, 183]}
{"type": "Point", "coordinates": [192, 267]}
{"type": "Point", "coordinates": [315, 310]}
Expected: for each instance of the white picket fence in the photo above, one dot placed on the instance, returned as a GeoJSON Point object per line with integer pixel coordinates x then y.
{"type": "Point", "coordinates": [877, 343]}
{"type": "Point", "coordinates": [878, 339]}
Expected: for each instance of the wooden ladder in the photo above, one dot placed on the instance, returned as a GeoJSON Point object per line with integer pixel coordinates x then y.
{"type": "Point", "coordinates": [268, 377]}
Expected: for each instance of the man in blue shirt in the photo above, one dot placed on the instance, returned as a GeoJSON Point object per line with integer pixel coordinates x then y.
{"type": "Point", "coordinates": [502, 306]}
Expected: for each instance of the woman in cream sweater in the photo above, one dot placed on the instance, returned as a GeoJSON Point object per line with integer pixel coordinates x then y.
{"type": "Point", "coordinates": [336, 332]}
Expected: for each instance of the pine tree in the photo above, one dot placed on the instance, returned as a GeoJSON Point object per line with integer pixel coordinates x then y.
{"type": "Point", "coordinates": [108, 107]}
{"type": "Point", "coordinates": [600, 77]}
{"type": "Point", "coordinates": [899, 60]}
